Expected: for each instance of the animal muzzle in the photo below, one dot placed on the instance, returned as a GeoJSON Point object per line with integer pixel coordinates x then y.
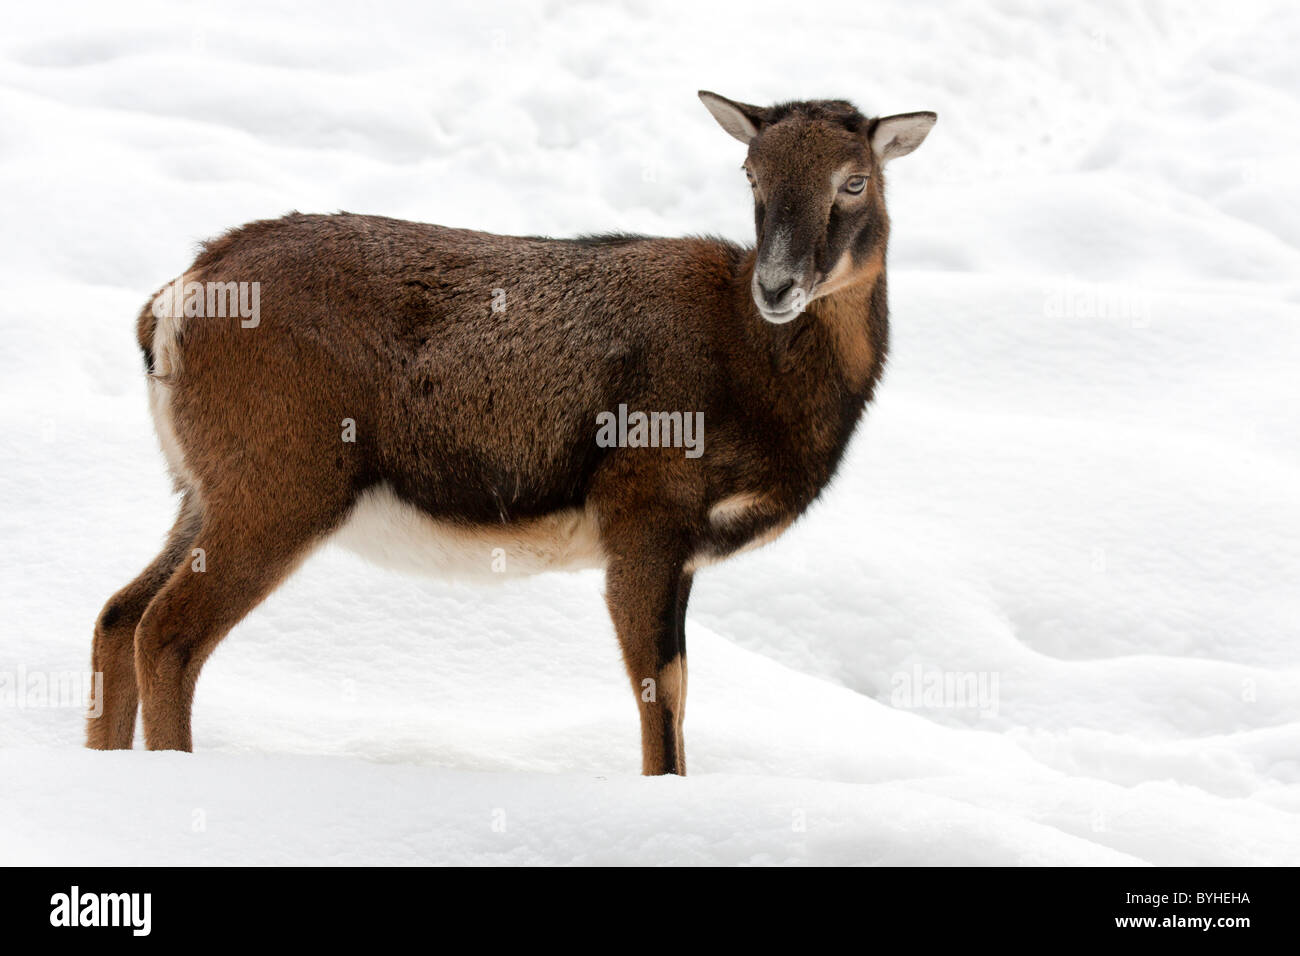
{"type": "Point", "coordinates": [784, 269]}
{"type": "Point", "coordinates": [781, 290]}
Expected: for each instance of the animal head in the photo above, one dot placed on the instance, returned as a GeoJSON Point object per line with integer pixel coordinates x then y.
{"type": "Point", "coordinates": [819, 201]}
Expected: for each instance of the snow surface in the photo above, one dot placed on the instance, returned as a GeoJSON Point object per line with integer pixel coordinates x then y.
{"type": "Point", "coordinates": [1078, 485]}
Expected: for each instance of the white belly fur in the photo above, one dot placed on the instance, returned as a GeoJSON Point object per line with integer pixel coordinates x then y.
{"type": "Point", "coordinates": [394, 534]}
{"type": "Point", "coordinates": [386, 530]}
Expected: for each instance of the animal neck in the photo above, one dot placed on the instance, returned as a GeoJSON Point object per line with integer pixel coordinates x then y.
{"type": "Point", "coordinates": [815, 374]}
{"type": "Point", "coordinates": [854, 319]}
{"type": "Point", "coordinates": [843, 332]}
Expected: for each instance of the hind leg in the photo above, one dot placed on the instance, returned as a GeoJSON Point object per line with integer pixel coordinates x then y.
{"type": "Point", "coordinates": [111, 722]}
{"type": "Point", "coordinates": [248, 550]}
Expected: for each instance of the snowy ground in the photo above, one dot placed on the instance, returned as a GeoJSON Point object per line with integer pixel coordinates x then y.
{"type": "Point", "coordinates": [1077, 492]}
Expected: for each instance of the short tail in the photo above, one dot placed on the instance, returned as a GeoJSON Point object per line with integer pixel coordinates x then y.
{"type": "Point", "coordinates": [158, 330]}
{"type": "Point", "coordinates": [145, 327]}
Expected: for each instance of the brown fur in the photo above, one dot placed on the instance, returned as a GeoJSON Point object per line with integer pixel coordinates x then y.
{"type": "Point", "coordinates": [488, 419]}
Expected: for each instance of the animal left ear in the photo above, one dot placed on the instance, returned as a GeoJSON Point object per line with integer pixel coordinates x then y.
{"type": "Point", "coordinates": [894, 136]}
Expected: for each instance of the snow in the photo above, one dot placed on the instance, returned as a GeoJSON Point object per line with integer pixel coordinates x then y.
{"type": "Point", "coordinates": [1077, 489]}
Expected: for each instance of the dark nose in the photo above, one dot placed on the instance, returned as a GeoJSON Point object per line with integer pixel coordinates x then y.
{"type": "Point", "coordinates": [773, 295]}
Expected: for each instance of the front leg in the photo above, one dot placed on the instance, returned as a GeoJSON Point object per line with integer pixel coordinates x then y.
{"type": "Point", "coordinates": [647, 590]}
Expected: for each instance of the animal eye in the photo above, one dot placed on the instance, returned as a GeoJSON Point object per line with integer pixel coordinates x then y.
{"type": "Point", "coordinates": [749, 175]}
{"type": "Point", "coordinates": [855, 184]}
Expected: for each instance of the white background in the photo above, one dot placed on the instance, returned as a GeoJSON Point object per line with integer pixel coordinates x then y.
{"type": "Point", "coordinates": [1079, 478]}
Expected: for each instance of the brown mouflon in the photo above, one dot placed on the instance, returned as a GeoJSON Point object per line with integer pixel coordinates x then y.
{"type": "Point", "coordinates": [471, 403]}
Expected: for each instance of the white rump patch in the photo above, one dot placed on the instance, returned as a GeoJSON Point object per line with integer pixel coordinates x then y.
{"type": "Point", "coordinates": [168, 315]}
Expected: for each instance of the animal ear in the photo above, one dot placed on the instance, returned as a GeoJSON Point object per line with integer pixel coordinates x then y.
{"type": "Point", "coordinates": [894, 136]}
{"type": "Point", "coordinates": [739, 119]}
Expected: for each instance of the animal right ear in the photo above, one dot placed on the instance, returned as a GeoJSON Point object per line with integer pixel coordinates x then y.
{"type": "Point", "coordinates": [739, 119]}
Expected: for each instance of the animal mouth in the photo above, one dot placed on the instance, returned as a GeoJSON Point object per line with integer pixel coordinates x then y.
{"type": "Point", "coordinates": [779, 317]}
